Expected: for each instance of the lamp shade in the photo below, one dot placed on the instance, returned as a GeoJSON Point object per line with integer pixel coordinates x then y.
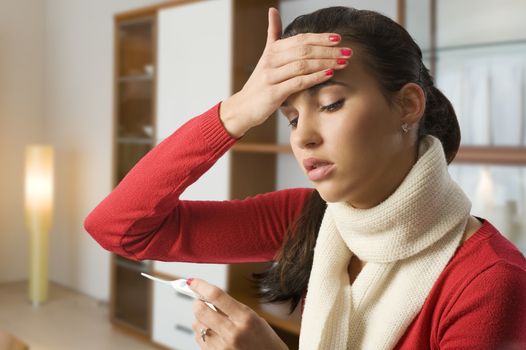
{"type": "Point", "coordinates": [39, 187]}
{"type": "Point", "coordinates": [39, 212]}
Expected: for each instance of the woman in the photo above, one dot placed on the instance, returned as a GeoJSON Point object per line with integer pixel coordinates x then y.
{"type": "Point", "coordinates": [383, 253]}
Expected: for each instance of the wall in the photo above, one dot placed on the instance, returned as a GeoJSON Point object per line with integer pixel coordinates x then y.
{"type": "Point", "coordinates": [21, 122]}
{"type": "Point", "coordinates": [56, 87]}
{"type": "Point", "coordinates": [488, 21]}
{"type": "Point", "coordinates": [79, 105]}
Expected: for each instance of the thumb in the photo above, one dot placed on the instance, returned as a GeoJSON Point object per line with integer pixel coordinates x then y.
{"type": "Point", "coordinates": [274, 26]}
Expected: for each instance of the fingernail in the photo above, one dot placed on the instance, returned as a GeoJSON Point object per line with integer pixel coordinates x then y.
{"type": "Point", "coordinates": [346, 52]}
{"type": "Point", "coordinates": [189, 281]}
{"type": "Point", "coordinates": [341, 61]}
{"type": "Point", "coordinates": [334, 38]}
{"type": "Point", "coordinates": [329, 72]}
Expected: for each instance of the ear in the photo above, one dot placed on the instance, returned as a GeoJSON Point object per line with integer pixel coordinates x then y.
{"type": "Point", "coordinates": [412, 103]}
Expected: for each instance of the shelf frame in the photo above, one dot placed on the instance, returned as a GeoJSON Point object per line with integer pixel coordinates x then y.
{"type": "Point", "coordinates": [498, 155]}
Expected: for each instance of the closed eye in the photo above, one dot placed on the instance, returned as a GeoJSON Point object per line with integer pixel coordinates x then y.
{"type": "Point", "coordinates": [328, 108]}
{"type": "Point", "coordinates": [333, 106]}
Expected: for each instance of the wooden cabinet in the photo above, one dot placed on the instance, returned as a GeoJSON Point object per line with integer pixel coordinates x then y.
{"type": "Point", "coordinates": [134, 136]}
{"type": "Point", "coordinates": [202, 52]}
{"type": "Point", "coordinates": [173, 62]}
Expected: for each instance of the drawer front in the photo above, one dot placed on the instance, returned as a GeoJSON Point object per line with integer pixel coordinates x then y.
{"type": "Point", "coordinates": [172, 319]}
{"type": "Point", "coordinates": [215, 274]}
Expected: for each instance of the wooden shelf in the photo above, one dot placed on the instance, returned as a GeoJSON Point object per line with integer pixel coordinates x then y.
{"type": "Point", "coordinates": [513, 156]}
{"type": "Point", "coordinates": [132, 265]}
{"type": "Point", "coordinates": [492, 155]}
{"type": "Point", "coordinates": [136, 77]}
{"type": "Point", "coordinates": [135, 140]}
{"type": "Point", "coordinates": [261, 148]}
{"type": "Point", "coordinates": [134, 136]}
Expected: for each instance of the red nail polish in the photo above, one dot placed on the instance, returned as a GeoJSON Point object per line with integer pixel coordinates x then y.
{"type": "Point", "coordinates": [329, 72]}
{"type": "Point", "coordinates": [346, 52]}
{"type": "Point", "coordinates": [341, 61]}
{"type": "Point", "coordinates": [189, 281]}
{"type": "Point", "coordinates": [334, 38]}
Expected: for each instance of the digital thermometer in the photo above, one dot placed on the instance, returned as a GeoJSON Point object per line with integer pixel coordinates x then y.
{"type": "Point", "coordinates": [181, 286]}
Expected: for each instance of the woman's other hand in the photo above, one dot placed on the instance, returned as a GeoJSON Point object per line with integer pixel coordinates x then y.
{"type": "Point", "coordinates": [285, 67]}
{"type": "Point", "coordinates": [233, 326]}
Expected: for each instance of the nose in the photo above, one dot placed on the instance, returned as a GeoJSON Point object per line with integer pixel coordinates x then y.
{"type": "Point", "coordinates": [307, 133]}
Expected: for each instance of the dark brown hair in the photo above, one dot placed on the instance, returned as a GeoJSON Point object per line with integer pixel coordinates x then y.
{"type": "Point", "coordinates": [394, 59]}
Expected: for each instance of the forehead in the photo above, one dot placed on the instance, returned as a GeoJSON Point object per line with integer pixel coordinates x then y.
{"type": "Point", "coordinates": [356, 71]}
{"type": "Point", "coordinates": [353, 76]}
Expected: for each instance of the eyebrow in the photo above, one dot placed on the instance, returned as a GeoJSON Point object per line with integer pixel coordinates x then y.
{"type": "Point", "coordinates": [314, 89]}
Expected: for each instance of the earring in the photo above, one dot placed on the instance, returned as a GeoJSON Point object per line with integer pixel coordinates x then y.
{"type": "Point", "coordinates": [405, 127]}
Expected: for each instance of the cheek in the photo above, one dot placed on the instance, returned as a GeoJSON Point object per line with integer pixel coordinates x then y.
{"type": "Point", "coordinates": [360, 140]}
{"type": "Point", "coordinates": [360, 127]}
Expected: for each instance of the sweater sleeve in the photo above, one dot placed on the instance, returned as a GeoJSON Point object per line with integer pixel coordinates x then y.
{"type": "Point", "coordinates": [143, 217]}
{"type": "Point", "coordinates": [490, 312]}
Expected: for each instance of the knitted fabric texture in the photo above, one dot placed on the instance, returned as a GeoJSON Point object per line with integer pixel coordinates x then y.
{"type": "Point", "coordinates": [406, 241]}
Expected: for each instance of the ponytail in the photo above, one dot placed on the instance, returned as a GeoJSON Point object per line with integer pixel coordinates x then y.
{"type": "Point", "coordinates": [440, 119]}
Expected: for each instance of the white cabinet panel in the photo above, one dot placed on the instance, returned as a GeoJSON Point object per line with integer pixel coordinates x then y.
{"type": "Point", "coordinates": [172, 319]}
{"type": "Point", "coordinates": [194, 62]}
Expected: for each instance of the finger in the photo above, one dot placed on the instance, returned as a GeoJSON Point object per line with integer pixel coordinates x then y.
{"type": "Point", "coordinates": [308, 52]}
{"type": "Point", "coordinates": [316, 39]}
{"type": "Point", "coordinates": [276, 60]}
{"type": "Point", "coordinates": [304, 67]}
{"type": "Point", "coordinates": [211, 339]}
{"type": "Point", "coordinates": [228, 305]}
{"type": "Point", "coordinates": [303, 82]}
{"type": "Point", "coordinates": [274, 26]}
{"type": "Point", "coordinates": [220, 323]}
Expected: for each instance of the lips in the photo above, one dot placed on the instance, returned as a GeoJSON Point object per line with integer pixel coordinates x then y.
{"type": "Point", "coordinates": [317, 169]}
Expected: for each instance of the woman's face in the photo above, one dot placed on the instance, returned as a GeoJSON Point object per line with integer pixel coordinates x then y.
{"type": "Point", "coordinates": [348, 122]}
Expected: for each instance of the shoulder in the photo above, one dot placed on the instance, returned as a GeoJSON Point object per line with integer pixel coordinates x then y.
{"type": "Point", "coordinates": [486, 255]}
{"type": "Point", "coordinates": [485, 251]}
{"type": "Point", "coordinates": [489, 312]}
{"type": "Point", "coordinates": [483, 289]}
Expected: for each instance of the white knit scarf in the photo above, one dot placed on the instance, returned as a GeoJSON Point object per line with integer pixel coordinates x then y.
{"type": "Point", "coordinates": [406, 242]}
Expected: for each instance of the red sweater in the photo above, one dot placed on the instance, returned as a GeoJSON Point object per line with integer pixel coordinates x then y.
{"type": "Point", "coordinates": [477, 302]}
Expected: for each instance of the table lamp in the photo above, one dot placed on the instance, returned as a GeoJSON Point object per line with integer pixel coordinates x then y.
{"type": "Point", "coordinates": [38, 215]}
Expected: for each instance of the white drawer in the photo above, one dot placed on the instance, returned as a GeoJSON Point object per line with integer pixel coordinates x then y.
{"type": "Point", "coordinates": [172, 319]}
{"type": "Point", "coordinates": [215, 274]}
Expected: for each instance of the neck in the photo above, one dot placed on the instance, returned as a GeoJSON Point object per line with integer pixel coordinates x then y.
{"type": "Point", "coordinates": [385, 183]}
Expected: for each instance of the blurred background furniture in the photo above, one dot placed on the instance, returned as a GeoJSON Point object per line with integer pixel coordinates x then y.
{"type": "Point", "coordinates": [477, 53]}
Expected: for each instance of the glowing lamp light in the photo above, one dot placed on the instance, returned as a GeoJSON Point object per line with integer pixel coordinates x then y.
{"type": "Point", "coordinates": [38, 214]}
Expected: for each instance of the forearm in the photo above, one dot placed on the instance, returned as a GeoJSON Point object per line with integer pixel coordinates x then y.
{"type": "Point", "coordinates": [151, 189]}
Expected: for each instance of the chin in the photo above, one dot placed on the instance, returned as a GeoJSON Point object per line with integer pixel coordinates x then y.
{"type": "Point", "coordinates": [329, 195]}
